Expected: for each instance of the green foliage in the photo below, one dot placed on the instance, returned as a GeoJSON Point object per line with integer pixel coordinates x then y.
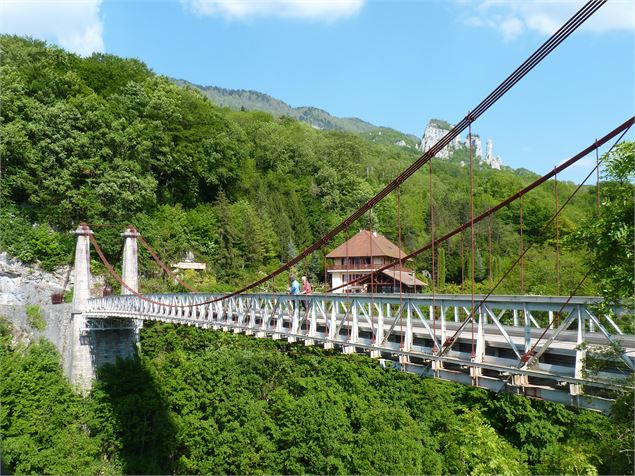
{"type": "Point", "coordinates": [33, 244]}
{"type": "Point", "coordinates": [562, 459]}
{"type": "Point", "coordinates": [43, 424]}
{"type": "Point", "coordinates": [104, 140]}
{"type": "Point", "coordinates": [441, 268]}
{"type": "Point", "coordinates": [608, 237]}
{"type": "Point", "coordinates": [35, 317]}
{"type": "Point", "coordinates": [199, 402]}
{"type": "Point", "coordinates": [473, 447]}
{"type": "Point", "coordinates": [240, 99]}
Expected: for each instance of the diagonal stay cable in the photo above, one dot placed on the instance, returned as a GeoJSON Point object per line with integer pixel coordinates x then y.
{"type": "Point", "coordinates": [543, 51]}
{"type": "Point", "coordinates": [622, 128]}
{"type": "Point", "coordinates": [553, 42]}
{"type": "Point", "coordinates": [448, 344]}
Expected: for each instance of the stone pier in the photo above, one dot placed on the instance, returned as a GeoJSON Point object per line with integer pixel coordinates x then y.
{"type": "Point", "coordinates": [81, 368]}
{"type": "Point", "coordinates": [96, 342]}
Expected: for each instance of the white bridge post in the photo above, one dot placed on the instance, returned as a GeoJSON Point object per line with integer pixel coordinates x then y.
{"type": "Point", "coordinates": [580, 355]}
{"type": "Point", "coordinates": [130, 270]}
{"type": "Point", "coordinates": [81, 366]}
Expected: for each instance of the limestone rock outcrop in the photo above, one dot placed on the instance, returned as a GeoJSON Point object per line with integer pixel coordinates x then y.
{"type": "Point", "coordinates": [436, 129]}
{"type": "Point", "coordinates": [23, 284]}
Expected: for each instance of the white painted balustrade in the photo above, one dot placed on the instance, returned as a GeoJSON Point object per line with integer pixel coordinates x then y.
{"type": "Point", "coordinates": [523, 344]}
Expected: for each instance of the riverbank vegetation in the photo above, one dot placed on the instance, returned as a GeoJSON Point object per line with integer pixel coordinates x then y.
{"type": "Point", "coordinates": [105, 140]}
{"type": "Point", "coordinates": [199, 402]}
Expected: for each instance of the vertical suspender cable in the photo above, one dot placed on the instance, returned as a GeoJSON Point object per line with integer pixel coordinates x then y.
{"type": "Point", "coordinates": [400, 263]}
{"type": "Point", "coordinates": [555, 184]}
{"type": "Point", "coordinates": [325, 272]}
{"type": "Point", "coordinates": [348, 278]}
{"type": "Point", "coordinates": [347, 267]}
{"type": "Point", "coordinates": [434, 275]}
{"type": "Point", "coordinates": [522, 248]}
{"type": "Point", "coordinates": [462, 264]}
{"type": "Point", "coordinates": [472, 232]}
{"type": "Point", "coordinates": [372, 274]}
{"type": "Point", "coordinates": [370, 242]}
{"type": "Point", "coordinates": [597, 172]}
{"type": "Point", "coordinates": [489, 244]}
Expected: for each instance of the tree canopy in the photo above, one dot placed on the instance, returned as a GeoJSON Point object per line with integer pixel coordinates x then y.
{"type": "Point", "coordinates": [198, 402]}
{"type": "Point", "coordinates": [104, 140]}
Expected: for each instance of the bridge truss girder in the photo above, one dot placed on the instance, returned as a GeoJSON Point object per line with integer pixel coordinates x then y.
{"type": "Point", "coordinates": [500, 351]}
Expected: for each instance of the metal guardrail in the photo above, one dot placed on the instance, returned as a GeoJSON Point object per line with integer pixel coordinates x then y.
{"type": "Point", "coordinates": [410, 331]}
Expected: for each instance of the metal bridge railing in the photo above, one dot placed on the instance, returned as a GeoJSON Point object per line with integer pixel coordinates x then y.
{"type": "Point", "coordinates": [413, 331]}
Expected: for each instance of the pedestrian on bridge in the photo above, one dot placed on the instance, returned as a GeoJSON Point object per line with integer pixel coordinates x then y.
{"type": "Point", "coordinates": [306, 289]}
{"type": "Point", "coordinates": [295, 286]}
{"type": "Point", "coordinates": [294, 290]}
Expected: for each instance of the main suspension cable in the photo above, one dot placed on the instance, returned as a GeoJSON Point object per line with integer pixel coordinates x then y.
{"type": "Point", "coordinates": [555, 185]}
{"type": "Point", "coordinates": [621, 129]}
{"type": "Point", "coordinates": [451, 340]}
{"type": "Point", "coordinates": [545, 49]}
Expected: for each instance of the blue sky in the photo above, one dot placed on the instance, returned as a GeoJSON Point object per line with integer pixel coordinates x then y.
{"type": "Point", "coordinates": [392, 63]}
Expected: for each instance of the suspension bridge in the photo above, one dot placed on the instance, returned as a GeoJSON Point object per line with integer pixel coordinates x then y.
{"type": "Point", "coordinates": [531, 345]}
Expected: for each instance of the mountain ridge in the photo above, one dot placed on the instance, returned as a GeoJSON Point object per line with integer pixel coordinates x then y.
{"type": "Point", "coordinates": [246, 99]}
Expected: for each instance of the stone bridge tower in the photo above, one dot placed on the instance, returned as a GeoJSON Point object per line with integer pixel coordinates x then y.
{"type": "Point", "coordinates": [95, 342]}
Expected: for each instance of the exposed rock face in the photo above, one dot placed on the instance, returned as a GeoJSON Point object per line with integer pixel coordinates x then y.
{"type": "Point", "coordinates": [493, 161]}
{"type": "Point", "coordinates": [435, 131]}
{"type": "Point", "coordinates": [22, 284]}
{"type": "Point", "coordinates": [477, 147]}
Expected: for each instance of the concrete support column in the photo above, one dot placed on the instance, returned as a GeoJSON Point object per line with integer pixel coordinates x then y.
{"type": "Point", "coordinates": [81, 368]}
{"type": "Point", "coordinates": [580, 356]}
{"type": "Point", "coordinates": [130, 267]}
{"type": "Point", "coordinates": [130, 270]}
{"type": "Point", "coordinates": [81, 289]}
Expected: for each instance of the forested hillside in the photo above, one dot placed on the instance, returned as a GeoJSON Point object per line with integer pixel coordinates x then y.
{"type": "Point", "coordinates": [104, 140]}
{"type": "Point", "coordinates": [240, 99]}
{"type": "Point", "coordinates": [205, 402]}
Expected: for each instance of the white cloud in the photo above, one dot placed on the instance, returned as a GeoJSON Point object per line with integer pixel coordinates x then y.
{"type": "Point", "coordinates": [72, 24]}
{"type": "Point", "coordinates": [511, 28]}
{"type": "Point", "coordinates": [512, 18]}
{"type": "Point", "coordinates": [329, 10]}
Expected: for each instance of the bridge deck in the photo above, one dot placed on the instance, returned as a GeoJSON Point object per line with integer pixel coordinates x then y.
{"type": "Point", "coordinates": [507, 348]}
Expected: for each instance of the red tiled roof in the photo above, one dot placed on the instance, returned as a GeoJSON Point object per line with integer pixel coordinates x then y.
{"type": "Point", "coordinates": [408, 278]}
{"type": "Point", "coordinates": [366, 243]}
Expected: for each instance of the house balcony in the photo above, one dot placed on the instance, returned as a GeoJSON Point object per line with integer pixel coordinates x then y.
{"type": "Point", "coordinates": [332, 268]}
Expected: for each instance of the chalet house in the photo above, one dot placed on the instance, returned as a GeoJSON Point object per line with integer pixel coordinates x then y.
{"type": "Point", "coordinates": [189, 263]}
{"type": "Point", "coordinates": [364, 253]}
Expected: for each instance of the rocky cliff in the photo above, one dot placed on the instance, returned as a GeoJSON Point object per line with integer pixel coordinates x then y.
{"type": "Point", "coordinates": [21, 284]}
{"type": "Point", "coordinates": [437, 128]}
